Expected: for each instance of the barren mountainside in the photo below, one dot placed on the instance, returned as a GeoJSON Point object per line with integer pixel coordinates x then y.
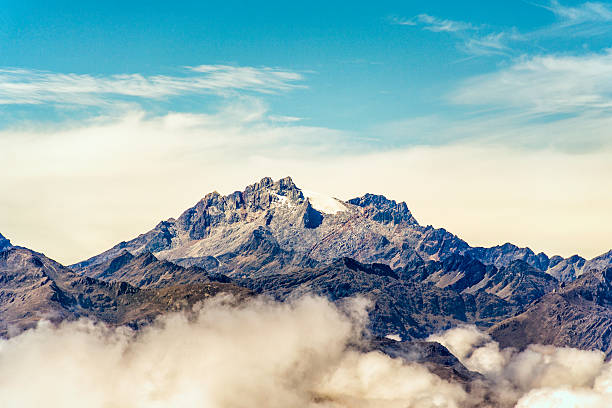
{"type": "Point", "coordinates": [34, 287]}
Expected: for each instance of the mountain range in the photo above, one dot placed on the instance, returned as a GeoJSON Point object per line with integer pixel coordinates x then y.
{"type": "Point", "coordinates": [277, 240]}
{"type": "Point", "coordinates": [272, 226]}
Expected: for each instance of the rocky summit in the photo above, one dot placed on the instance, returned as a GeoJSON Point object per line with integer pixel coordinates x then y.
{"type": "Point", "coordinates": [277, 240]}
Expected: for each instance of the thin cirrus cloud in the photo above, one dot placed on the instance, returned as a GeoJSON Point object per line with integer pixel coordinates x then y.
{"type": "Point", "coordinates": [584, 20]}
{"type": "Point", "coordinates": [544, 85]}
{"type": "Point", "coordinates": [473, 39]}
{"type": "Point", "coordinates": [586, 12]}
{"type": "Point", "coordinates": [435, 24]}
{"type": "Point", "coordinates": [29, 87]}
{"type": "Point", "coordinates": [490, 44]}
{"type": "Point", "coordinates": [559, 102]}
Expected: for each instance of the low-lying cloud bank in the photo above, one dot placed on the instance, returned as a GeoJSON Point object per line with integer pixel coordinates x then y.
{"type": "Point", "coordinates": [262, 354]}
{"type": "Point", "coordinates": [538, 377]}
{"type": "Point", "coordinates": [267, 354]}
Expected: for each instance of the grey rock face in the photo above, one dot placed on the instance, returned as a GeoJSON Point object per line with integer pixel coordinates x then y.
{"type": "Point", "coordinates": [599, 263]}
{"type": "Point", "coordinates": [383, 210]}
{"type": "Point", "coordinates": [518, 283]}
{"type": "Point", "coordinates": [456, 272]}
{"type": "Point", "coordinates": [566, 270]}
{"type": "Point", "coordinates": [4, 243]}
{"type": "Point", "coordinates": [312, 218]}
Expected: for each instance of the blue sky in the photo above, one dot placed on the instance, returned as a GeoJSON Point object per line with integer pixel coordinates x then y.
{"type": "Point", "coordinates": [489, 118]}
{"type": "Point", "coordinates": [362, 63]}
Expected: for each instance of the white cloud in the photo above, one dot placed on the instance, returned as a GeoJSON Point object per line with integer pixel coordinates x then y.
{"type": "Point", "coordinates": [546, 84]}
{"type": "Point", "coordinates": [435, 24]}
{"type": "Point", "coordinates": [282, 118]}
{"type": "Point", "coordinates": [474, 40]}
{"type": "Point", "coordinates": [586, 20]}
{"type": "Point", "coordinates": [21, 86]}
{"type": "Point", "coordinates": [257, 354]}
{"type": "Point", "coordinates": [583, 13]}
{"type": "Point", "coordinates": [489, 44]}
{"type": "Point", "coordinates": [262, 353]}
{"type": "Point", "coordinates": [537, 377]}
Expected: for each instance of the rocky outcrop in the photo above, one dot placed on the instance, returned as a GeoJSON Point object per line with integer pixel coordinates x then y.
{"type": "Point", "coordinates": [456, 272]}
{"type": "Point", "coordinates": [383, 210]}
{"type": "Point", "coordinates": [4, 243]}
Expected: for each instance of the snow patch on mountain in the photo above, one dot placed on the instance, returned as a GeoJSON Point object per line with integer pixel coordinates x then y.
{"type": "Point", "coordinates": [323, 203]}
{"type": "Point", "coordinates": [283, 200]}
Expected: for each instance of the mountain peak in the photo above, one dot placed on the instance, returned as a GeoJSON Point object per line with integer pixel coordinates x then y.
{"type": "Point", "coordinates": [284, 187]}
{"type": "Point", "coordinates": [382, 209]}
{"type": "Point", "coordinates": [4, 243]}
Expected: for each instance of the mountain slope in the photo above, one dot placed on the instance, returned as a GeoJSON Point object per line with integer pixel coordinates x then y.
{"type": "Point", "coordinates": [145, 271]}
{"type": "Point", "coordinates": [577, 315]}
{"type": "Point", "coordinates": [411, 308]}
{"type": "Point", "coordinates": [600, 262]}
{"type": "Point", "coordinates": [34, 287]}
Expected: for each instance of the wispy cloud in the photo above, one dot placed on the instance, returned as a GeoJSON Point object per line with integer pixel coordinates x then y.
{"type": "Point", "coordinates": [22, 86]}
{"type": "Point", "coordinates": [474, 39]}
{"type": "Point", "coordinates": [544, 85]}
{"type": "Point", "coordinates": [584, 20]}
{"type": "Point", "coordinates": [490, 44]}
{"type": "Point", "coordinates": [586, 12]}
{"type": "Point", "coordinates": [435, 24]}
